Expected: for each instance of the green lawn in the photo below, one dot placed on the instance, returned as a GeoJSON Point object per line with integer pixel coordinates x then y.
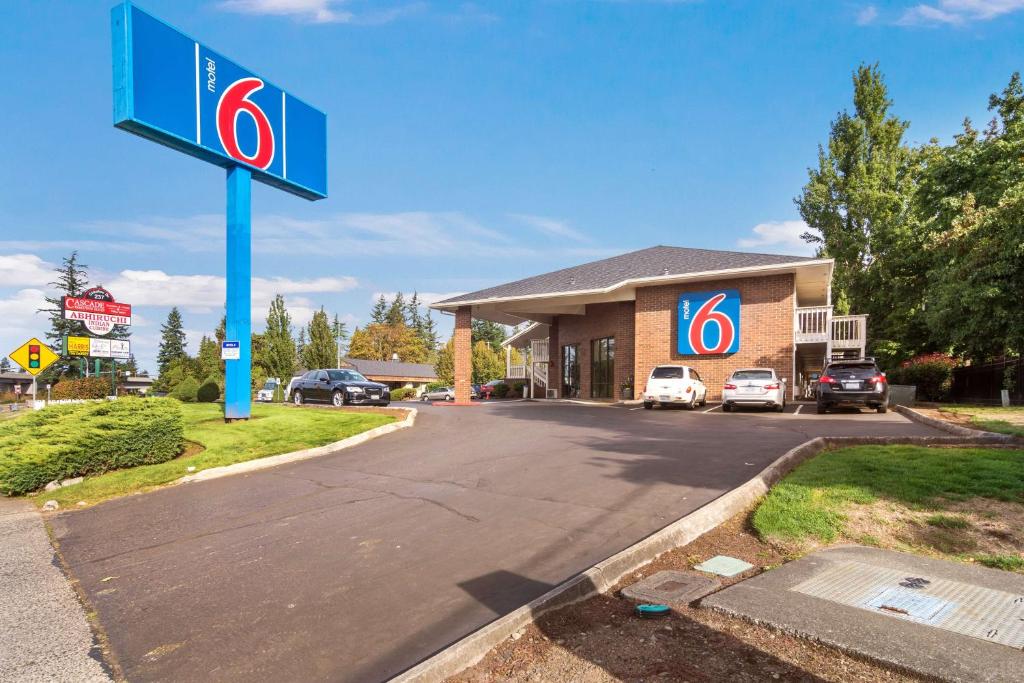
{"type": "Point", "coordinates": [811, 502]}
{"type": "Point", "coordinates": [273, 430]}
{"type": "Point", "coordinates": [990, 418]}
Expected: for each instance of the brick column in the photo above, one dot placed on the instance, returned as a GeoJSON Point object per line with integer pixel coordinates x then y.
{"type": "Point", "coordinates": [462, 347]}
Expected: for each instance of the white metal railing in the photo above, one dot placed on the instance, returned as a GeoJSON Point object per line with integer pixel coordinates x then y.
{"type": "Point", "coordinates": [849, 331]}
{"type": "Point", "coordinates": [811, 324]}
{"type": "Point", "coordinates": [516, 372]}
{"type": "Point", "coordinates": [540, 373]}
{"type": "Point", "coordinates": [539, 350]}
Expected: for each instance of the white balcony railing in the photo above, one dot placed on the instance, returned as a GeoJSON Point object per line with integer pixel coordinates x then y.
{"type": "Point", "coordinates": [516, 372]}
{"type": "Point", "coordinates": [811, 324]}
{"type": "Point", "coordinates": [539, 350]}
{"type": "Point", "coordinates": [849, 331]}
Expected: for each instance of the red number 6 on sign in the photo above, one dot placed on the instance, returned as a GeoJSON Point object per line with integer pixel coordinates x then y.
{"type": "Point", "coordinates": [234, 102]}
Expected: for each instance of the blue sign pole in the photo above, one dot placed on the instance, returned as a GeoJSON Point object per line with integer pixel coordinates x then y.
{"type": "Point", "coordinates": [238, 373]}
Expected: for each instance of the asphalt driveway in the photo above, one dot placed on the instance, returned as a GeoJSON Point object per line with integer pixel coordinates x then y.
{"type": "Point", "coordinates": [357, 565]}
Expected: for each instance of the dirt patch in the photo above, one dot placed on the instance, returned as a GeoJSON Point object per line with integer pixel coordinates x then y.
{"type": "Point", "coordinates": [600, 640]}
{"type": "Point", "coordinates": [959, 419]}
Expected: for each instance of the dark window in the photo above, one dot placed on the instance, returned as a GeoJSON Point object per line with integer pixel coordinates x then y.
{"type": "Point", "coordinates": [667, 372]}
{"type": "Point", "coordinates": [345, 376]}
{"type": "Point", "coordinates": [695, 375]}
{"type": "Point", "coordinates": [752, 374]}
{"type": "Point", "coordinates": [321, 375]}
{"type": "Point", "coordinates": [602, 367]}
{"type": "Point", "coordinates": [571, 371]}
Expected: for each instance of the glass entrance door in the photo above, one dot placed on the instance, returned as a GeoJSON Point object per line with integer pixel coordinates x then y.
{"type": "Point", "coordinates": [571, 371]}
{"type": "Point", "coordinates": [602, 368]}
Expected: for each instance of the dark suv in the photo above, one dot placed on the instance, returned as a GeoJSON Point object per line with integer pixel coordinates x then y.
{"type": "Point", "coordinates": [853, 382]}
{"type": "Point", "coordinates": [339, 387]}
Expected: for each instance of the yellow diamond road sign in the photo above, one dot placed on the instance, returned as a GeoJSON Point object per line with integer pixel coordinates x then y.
{"type": "Point", "coordinates": [34, 356]}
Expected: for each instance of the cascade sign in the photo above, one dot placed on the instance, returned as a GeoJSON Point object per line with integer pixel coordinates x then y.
{"type": "Point", "coordinates": [97, 310]}
{"type": "Point", "coordinates": [180, 93]}
{"type": "Point", "coordinates": [174, 90]}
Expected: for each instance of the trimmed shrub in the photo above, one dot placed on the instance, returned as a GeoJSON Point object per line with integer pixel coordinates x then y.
{"type": "Point", "coordinates": [209, 391]}
{"type": "Point", "coordinates": [402, 393]}
{"type": "Point", "coordinates": [87, 438]}
{"type": "Point", "coordinates": [516, 391]}
{"type": "Point", "coordinates": [186, 390]}
{"type": "Point", "coordinates": [933, 379]}
{"type": "Point", "coordinates": [501, 390]}
{"type": "Point", "coordinates": [83, 388]}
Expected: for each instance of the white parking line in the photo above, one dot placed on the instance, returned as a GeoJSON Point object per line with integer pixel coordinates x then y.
{"type": "Point", "coordinates": [798, 409]}
{"type": "Point", "coordinates": [710, 409]}
{"type": "Point", "coordinates": [639, 408]}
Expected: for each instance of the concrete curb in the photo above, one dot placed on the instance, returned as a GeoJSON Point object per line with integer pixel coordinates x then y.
{"type": "Point", "coordinates": [990, 437]}
{"type": "Point", "coordinates": [604, 575]}
{"type": "Point", "coordinates": [295, 456]}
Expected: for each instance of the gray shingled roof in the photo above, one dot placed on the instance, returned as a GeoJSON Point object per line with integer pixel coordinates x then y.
{"type": "Point", "coordinates": [650, 262]}
{"type": "Point", "coordinates": [390, 368]}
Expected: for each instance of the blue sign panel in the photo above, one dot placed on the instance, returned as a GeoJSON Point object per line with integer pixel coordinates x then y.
{"type": "Point", "coordinates": [176, 91]}
{"type": "Point", "coordinates": [709, 322]}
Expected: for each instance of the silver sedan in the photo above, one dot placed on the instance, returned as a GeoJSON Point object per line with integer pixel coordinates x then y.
{"type": "Point", "coordinates": [760, 387]}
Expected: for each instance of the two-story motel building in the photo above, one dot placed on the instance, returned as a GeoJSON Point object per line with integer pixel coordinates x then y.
{"type": "Point", "coordinates": [596, 330]}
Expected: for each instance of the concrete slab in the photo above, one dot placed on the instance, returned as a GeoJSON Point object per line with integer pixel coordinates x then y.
{"type": "Point", "coordinates": [671, 588]}
{"type": "Point", "coordinates": [723, 565]}
{"type": "Point", "coordinates": [896, 630]}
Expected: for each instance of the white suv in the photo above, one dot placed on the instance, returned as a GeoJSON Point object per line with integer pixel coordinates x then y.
{"type": "Point", "coordinates": [675, 385]}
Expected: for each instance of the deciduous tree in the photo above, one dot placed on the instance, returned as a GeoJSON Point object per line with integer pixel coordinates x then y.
{"type": "Point", "coordinates": [383, 342]}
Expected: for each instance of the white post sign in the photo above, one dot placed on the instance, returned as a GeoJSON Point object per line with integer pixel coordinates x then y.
{"type": "Point", "coordinates": [230, 350]}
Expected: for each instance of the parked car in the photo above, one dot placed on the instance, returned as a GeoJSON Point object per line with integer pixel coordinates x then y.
{"type": "Point", "coordinates": [266, 394]}
{"type": "Point", "coordinates": [439, 394]}
{"type": "Point", "coordinates": [339, 387]}
{"type": "Point", "coordinates": [853, 382]}
{"type": "Point", "coordinates": [675, 385]}
{"type": "Point", "coordinates": [760, 387]}
{"type": "Point", "coordinates": [474, 391]}
{"type": "Point", "coordinates": [487, 390]}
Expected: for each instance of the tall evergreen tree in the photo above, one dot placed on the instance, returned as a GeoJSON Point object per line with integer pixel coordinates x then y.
{"type": "Point", "coordinates": [320, 351]}
{"type": "Point", "coordinates": [278, 346]}
{"type": "Point", "coordinates": [396, 311]}
{"type": "Point", "coordinates": [429, 332]}
{"type": "Point", "coordinates": [208, 362]}
{"type": "Point", "coordinates": [72, 280]}
{"type": "Point", "coordinates": [492, 333]}
{"type": "Point", "coordinates": [380, 310]}
{"type": "Point", "coordinates": [300, 347]}
{"type": "Point", "coordinates": [340, 332]}
{"type": "Point", "coordinates": [412, 314]}
{"type": "Point", "coordinates": [172, 341]}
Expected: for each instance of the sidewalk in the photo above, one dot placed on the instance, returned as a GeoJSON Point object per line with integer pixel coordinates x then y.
{"type": "Point", "coordinates": [44, 634]}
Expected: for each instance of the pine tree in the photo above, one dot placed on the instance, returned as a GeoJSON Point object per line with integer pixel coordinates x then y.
{"type": "Point", "coordinates": [429, 333]}
{"type": "Point", "coordinates": [72, 280]}
{"type": "Point", "coordinates": [492, 333]}
{"type": "Point", "coordinates": [413, 316]}
{"type": "Point", "coordinates": [208, 362]}
{"type": "Point", "coordinates": [300, 348]}
{"type": "Point", "coordinates": [396, 311]}
{"type": "Point", "coordinates": [379, 312]}
{"type": "Point", "coordinates": [278, 346]}
{"type": "Point", "coordinates": [340, 332]}
{"type": "Point", "coordinates": [172, 341]}
{"type": "Point", "coordinates": [320, 352]}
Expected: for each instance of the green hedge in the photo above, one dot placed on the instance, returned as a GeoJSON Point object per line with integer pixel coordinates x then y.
{"type": "Point", "coordinates": [87, 438]}
{"type": "Point", "coordinates": [82, 388]}
{"type": "Point", "coordinates": [402, 393]}
{"type": "Point", "coordinates": [933, 379]}
{"type": "Point", "coordinates": [186, 390]}
{"type": "Point", "coordinates": [209, 391]}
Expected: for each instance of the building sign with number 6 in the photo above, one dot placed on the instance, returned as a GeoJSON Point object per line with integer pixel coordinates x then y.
{"type": "Point", "coordinates": [176, 91]}
{"type": "Point", "coordinates": [709, 323]}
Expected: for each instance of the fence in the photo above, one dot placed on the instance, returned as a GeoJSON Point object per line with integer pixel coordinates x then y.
{"type": "Point", "coordinates": [983, 383]}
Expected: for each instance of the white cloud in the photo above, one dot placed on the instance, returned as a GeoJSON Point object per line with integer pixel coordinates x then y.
{"type": "Point", "coordinates": [25, 269]}
{"type": "Point", "coordinates": [779, 236]}
{"type": "Point", "coordinates": [867, 15]}
{"type": "Point", "coordinates": [316, 11]}
{"type": "Point", "coordinates": [958, 12]}
{"type": "Point", "coordinates": [551, 226]}
{"type": "Point", "coordinates": [205, 293]}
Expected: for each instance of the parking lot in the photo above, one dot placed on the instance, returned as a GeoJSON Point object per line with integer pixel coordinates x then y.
{"type": "Point", "coordinates": [356, 565]}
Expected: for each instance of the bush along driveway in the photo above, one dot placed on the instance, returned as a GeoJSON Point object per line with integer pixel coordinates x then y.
{"type": "Point", "coordinates": [210, 442]}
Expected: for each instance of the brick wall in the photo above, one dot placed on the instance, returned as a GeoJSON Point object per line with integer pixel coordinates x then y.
{"type": "Point", "coordinates": [614, 319]}
{"type": "Point", "coordinates": [766, 330]}
{"type": "Point", "coordinates": [463, 353]}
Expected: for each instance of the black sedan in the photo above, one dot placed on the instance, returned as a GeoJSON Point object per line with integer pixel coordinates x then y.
{"type": "Point", "coordinates": [339, 387]}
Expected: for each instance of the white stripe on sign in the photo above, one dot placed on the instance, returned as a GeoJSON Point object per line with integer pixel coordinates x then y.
{"type": "Point", "coordinates": [199, 126]}
{"type": "Point", "coordinates": [284, 139]}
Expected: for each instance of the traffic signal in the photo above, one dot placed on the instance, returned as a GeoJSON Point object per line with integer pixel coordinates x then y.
{"type": "Point", "coordinates": [33, 356]}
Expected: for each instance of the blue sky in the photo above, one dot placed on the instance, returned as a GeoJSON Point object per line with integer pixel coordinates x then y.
{"type": "Point", "coordinates": [469, 144]}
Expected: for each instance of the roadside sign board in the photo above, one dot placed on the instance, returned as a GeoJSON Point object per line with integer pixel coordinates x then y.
{"type": "Point", "coordinates": [98, 315]}
{"type": "Point", "coordinates": [178, 92]}
{"type": "Point", "coordinates": [34, 356]}
{"type": "Point", "coordinates": [92, 347]}
{"type": "Point", "coordinates": [709, 323]}
{"type": "Point", "coordinates": [230, 350]}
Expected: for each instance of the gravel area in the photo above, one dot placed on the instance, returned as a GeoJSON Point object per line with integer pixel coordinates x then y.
{"type": "Point", "coordinates": [600, 640]}
{"type": "Point", "coordinates": [44, 634]}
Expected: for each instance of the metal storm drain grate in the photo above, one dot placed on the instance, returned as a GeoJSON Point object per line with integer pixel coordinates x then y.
{"type": "Point", "coordinates": [962, 608]}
